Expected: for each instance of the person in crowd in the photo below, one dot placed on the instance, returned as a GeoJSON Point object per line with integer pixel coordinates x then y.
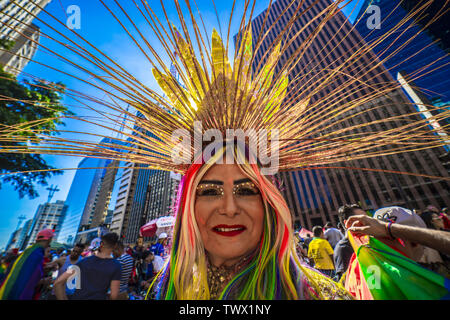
{"type": "Point", "coordinates": [433, 220]}
{"type": "Point", "coordinates": [27, 272]}
{"type": "Point", "coordinates": [232, 221]}
{"type": "Point", "coordinates": [302, 253]}
{"type": "Point", "coordinates": [320, 252]}
{"type": "Point", "coordinates": [129, 251]}
{"type": "Point", "coordinates": [154, 264]}
{"type": "Point", "coordinates": [64, 262]}
{"type": "Point", "coordinates": [413, 232]}
{"type": "Point", "coordinates": [432, 259]}
{"type": "Point", "coordinates": [57, 254]}
{"type": "Point", "coordinates": [159, 246]}
{"type": "Point", "coordinates": [307, 241]}
{"type": "Point", "coordinates": [43, 290]}
{"type": "Point", "coordinates": [341, 228]}
{"type": "Point", "coordinates": [332, 235]}
{"type": "Point", "coordinates": [441, 213]}
{"type": "Point", "coordinates": [446, 218]}
{"type": "Point", "coordinates": [7, 263]}
{"type": "Point", "coordinates": [343, 250]}
{"type": "Point", "coordinates": [97, 274]}
{"type": "Point", "coordinates": [3, 267]}
{"type": "Point", "coordinates": [127, 263]}
{"type": "Point", "coordinates": [140, 266]}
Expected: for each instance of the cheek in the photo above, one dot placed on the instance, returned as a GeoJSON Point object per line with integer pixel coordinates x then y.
{"type": "Point", "coordinates": [255, 210]}
{"type": "Point", "coordinates": [202, 213]}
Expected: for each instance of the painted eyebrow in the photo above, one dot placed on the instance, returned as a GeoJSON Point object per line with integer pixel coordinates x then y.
{"type": "Point", "coordinates": [242, 181]}
{"type": "Point", "coordinates": [211, 182]}
{"type": "Point", "coordinates": [221, 182]}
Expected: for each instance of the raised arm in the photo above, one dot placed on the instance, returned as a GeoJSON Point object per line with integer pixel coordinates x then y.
{"type": "Point", "coordinates": [438, 240]}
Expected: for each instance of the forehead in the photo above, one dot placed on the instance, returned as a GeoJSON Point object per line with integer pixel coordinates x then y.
{"type": "Point", "coordinates": [224, 172]}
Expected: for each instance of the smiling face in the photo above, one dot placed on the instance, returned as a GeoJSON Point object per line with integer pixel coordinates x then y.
{"type": "Point", "coordinates": [229, 213]}
{"type": "Point", "coordinates": [437, 221]}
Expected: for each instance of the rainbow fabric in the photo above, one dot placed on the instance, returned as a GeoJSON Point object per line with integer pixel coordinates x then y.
{"type": "Point", "coordinates": [388, 275]}
{"type": "Point", "coordinates": [24, 275]}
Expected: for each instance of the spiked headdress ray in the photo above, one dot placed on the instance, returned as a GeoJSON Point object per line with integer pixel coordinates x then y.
{"type": "Point", "coordinates": [319, 123]}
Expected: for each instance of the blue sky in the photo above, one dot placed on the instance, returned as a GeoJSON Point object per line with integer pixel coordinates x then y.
{"type": "Point", "coordinates": [100, 28]}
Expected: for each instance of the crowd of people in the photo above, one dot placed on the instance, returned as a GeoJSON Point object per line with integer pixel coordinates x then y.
{"type": "Point", "coordinates": [107, 269]}
{"type": "Point", "coordinates": [421, 235]}
{"type": "Point", "coordinates": [103, 269]}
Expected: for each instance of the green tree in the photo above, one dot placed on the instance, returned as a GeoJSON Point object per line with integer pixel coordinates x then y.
{"type": "Point", "coordinates": [21, 111]}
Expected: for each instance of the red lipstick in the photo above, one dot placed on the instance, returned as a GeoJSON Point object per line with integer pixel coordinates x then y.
{"type": "Point", "coordinates": [229, 230]}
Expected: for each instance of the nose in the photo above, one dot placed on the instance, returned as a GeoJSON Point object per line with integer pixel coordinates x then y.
{"type": "Point", "coordinates": [229, 207]}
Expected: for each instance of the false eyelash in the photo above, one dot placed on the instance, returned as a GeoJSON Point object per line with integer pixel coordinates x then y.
{"type": "Point", "coordinates": [246, 186]}
{"type": "Point", "coordinates": [204, 188]}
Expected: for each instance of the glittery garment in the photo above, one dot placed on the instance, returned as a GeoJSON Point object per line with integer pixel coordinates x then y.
{"type": "Point", "coordinates": [219, 277]}
{"type": "Point", "coordinates": [312, 285]}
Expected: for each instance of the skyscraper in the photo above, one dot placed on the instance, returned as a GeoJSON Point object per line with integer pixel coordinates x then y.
{"type": "Point", "coordinates": [100, 209]}
{"type": "Point", "coordinates": [437, 31]}
{"type": "Point", "coordinates": [154, 195]}
{"type": "Point", "coordinates": [314, 195]}
{"type": "Point", "coordinates": [124, 198]}
{"type": "Point", "coordinates": [81, 197]}
{"type": "Point", "coordinates": [424, 54]}
{"type": "Point", "coordinates": [144, 194]}
{"type": "Point", "coordinates": [48, 216]}
{"type": "Point", "coordinates": [11, 244]}
{"type": "Point", "coordinates": [23, 238]}
{"type": "Point", "coordinates": [16, 25]}
{"type": "Point", "coordinates": [89, 196]}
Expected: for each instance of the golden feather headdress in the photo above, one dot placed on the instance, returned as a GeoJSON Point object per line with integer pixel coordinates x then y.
{"type": "Point", "coordinates": [313, 132]}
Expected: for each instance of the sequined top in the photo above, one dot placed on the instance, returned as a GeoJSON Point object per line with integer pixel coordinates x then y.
{"type": "Point", "coordinates": [310, 283]}
{"type": "Point", "coordinates": [219, 277]}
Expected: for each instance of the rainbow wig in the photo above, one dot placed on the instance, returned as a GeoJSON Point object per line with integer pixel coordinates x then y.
{"type": "Point", "coordinates": [275, 269]}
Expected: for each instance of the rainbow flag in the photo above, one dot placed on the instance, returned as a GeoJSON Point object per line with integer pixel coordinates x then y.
{"type": "Point", "coordinates": [24, 275]}
{"type": "Point", "coordinates": [382, 273]}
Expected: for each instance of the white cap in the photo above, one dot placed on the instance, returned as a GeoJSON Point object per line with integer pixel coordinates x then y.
{"type": "Point", "coordinates": [95, 244]}
{"type": "Point", "coordinates": [162, 235]}
{"type": "Point", "coordinates": [399, 215]}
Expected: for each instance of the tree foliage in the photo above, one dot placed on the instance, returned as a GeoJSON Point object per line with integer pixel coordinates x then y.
{"type": "Point", "coordinates": [35, 101]}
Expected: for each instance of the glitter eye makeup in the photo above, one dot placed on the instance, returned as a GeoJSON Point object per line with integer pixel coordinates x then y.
{"type": "Point", "coordinates": [209, 189]}
{"type": "Point", "coordinates": [245, 189]}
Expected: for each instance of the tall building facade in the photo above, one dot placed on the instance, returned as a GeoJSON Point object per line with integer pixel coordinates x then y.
{"type": "Point", "coordinates": [11, 244]}
{"type": "Point", "coordinates": [23, 237]}
{"type": "Point", "coordinates": [424, 53]}
{"type": "Point", "coordinates": [144, 194]}
{"type": "Point", "coordinates": [314, 195]}
{"type": "Point", "coordinates": [16, 25]}
{"type": "Point", "coordinates": [153, 198]}
{"type": "Point", "coordinates": [100, 210]}
{"type": "Point", "coordinates": [437, 31]}
{"type": "Point", "coordinates": [81, 197]}
{"type": "Point", "coordinates": [89, 196]}
{"type": "Point", "coordinates": [127, 187]}
{"type": "Point", "coordinates": [48, 216]}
